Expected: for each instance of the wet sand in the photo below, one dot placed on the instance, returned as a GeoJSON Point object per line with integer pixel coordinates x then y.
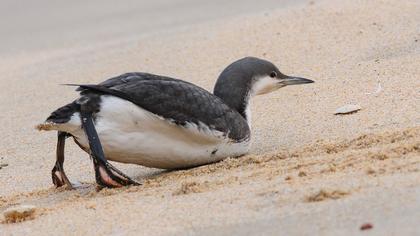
{"type": "Point", "coordinates": [309, 171]}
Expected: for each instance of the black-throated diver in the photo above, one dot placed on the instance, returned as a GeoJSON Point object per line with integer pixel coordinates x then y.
{"type": "Point", "coordinates": [161, 122]}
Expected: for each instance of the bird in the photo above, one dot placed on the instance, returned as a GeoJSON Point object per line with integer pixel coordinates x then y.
{"type": "Point", "coordinates": [162, 122]}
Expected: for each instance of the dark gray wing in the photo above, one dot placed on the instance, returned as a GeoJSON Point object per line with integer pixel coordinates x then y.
{"type": "Point", "coordinates": [176, 100]}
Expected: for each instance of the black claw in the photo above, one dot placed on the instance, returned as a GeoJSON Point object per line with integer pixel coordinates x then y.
{"type": "Point", "coordinates": [56, 178]}
{"type": "Point", "coordinates": [110, 176]}
{"type": "Point", "coordinates": [126, 178]}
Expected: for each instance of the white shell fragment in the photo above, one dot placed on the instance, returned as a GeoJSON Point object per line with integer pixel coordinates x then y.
{"type": "Point", "coordinates": [19, 213]}
{"type": "Point", "coordinates": [377, 90]}
{"type": "Point", "coordinates": [347, 109]}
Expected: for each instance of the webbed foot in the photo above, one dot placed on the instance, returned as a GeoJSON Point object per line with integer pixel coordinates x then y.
{"type": "Point", "coordinates": [109, 176]}
{"type": "Point", "coordinates": [58, 175]}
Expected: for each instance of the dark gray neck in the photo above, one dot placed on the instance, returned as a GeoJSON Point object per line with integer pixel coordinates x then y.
{"type": "Point", "coordinates": [233, 88]}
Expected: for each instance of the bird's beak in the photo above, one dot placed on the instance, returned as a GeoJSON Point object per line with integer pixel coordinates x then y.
{"type": "Point", "coordinates": [290, 80]}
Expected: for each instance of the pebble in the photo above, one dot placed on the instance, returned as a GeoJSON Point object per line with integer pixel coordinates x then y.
{"type": "Point", "coordinates": [366, 226]}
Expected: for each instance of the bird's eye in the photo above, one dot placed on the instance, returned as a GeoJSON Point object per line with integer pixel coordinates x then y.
{"type": "Point", "coordinates": [273, 74]}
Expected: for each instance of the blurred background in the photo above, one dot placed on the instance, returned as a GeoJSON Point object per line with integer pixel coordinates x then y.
{"type": "Point", "coordinates": [37, 25]}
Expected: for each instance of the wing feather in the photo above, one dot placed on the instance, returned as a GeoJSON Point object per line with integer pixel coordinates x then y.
{"type": "Point", "coordinates": [174, 99]}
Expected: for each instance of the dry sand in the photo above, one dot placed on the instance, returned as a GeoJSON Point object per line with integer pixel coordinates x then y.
{"type": "Point", "coordinates": [309, 171]}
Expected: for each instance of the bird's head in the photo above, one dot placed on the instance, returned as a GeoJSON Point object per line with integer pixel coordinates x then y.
{"type": "Point", "coordinates": [268, 78]}
{"type": "Point", "coordinates": [248, 77]}
{"type": "Point", "coordinates": [260, 76]}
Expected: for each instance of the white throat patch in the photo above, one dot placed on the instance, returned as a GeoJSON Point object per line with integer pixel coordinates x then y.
{"type": "Point", "coordinates": [265, 85]}
{"type": "Point", "coordinates": [248, 113]}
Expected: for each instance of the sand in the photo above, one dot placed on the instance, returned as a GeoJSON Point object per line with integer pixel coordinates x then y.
{"type": "Point", "coordinates": [309, 171]}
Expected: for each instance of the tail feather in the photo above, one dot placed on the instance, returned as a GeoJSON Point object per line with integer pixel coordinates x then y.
{"type": "Point", "coordinates": [63, 114]}
{"type": "Point", "coordinates": [46, 126]}
{"type": "Point", "coordinates": [60, 116]}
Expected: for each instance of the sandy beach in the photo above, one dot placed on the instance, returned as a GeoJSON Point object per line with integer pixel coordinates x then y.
{"type": "Point", "coordinates": [309, 171]}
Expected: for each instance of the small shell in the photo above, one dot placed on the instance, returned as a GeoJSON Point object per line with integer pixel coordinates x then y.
{"type": "Point", "coordinates": [350, 108]}
{"type": "Point", "coordinates": [19, 213]}
{"type": "Point", "coordinates": [377, 90]}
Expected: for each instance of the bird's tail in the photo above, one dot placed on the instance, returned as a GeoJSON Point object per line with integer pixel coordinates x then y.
{"type": "Point", "coordinates": [61, 119]}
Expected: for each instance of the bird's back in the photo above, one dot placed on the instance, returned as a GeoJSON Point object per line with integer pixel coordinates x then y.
{"type": "Point", "coordinates": [176, 100]}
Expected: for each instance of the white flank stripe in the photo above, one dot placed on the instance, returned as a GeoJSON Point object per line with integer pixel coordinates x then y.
{"type": "Point", "coordinates": [131, 134]}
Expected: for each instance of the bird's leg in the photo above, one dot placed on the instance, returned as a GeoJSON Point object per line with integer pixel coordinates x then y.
{"type": "Point", "coordinates": [59, 177]}
{"type": "Point", "coordinates": [106, 175]}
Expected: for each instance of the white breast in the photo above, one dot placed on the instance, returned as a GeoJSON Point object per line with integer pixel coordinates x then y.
{"type": "Point", "coordinates": [131, 134]}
